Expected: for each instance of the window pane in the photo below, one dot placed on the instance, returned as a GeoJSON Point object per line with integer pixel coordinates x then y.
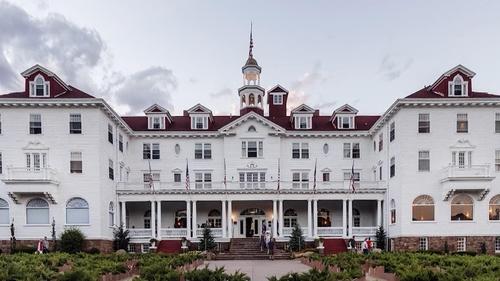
{"type": "Point", "coordinates": [37, 216]}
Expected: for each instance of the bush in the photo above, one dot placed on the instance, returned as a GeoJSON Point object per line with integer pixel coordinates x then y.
{"type": "Point", "coordinates": [121, 238]}
{"type": "Point", "coordinates": [24, 249]}
{"type": "Point", "coordinates": [76, 275]}
{"type": "Point", "coordinates": [93, 251]}
{"type": "Point", "coordinates": [381, 237]}
{"type": "Point", "coordinates": [72, 241]}
{"type": "Point", "coordinates": [296, 242]}
{"type": "Point", "coordinates": [207, 242]}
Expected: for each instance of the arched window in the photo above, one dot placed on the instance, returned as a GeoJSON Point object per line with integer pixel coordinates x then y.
{"type": "Point", "coordinates": [4, 212]}
{"type": "Point", "coordinates": [259, 100]}
{"type": "Point", "coordinates": [324, 218]}
{"type": "Point", "coordinates": [111, 214]}
{"type": "Point", "coordinates": [243, 101]}
{"type": "Point", "coordinates": [147, 219]}
{"type": "Point", "coordinates": [356, 218]}
{"type": "Point", "coordinates": [40, 87]}
{"type": "Point", "coordinates": [494, 209]}
{"type": "Point", "coordinates": [252, 129]}
{"type": "Point", "coordinates": [290, 218]}
{"type": "Point", "coordinates": [37, 211]}
{"type": "Point", "coordinates": [462, 207]}
{"type": "Point", "coordinates": [458, 86]}
{"type": "Point", "coordinates": [251, 99]}
{"type": "Point", "coordinates": [423, 208]}
{"type": "Point", "coordinates": [393, 211]}
{"type": "Point", "coordinates": [77, 211]}
{"type": "Point", "coordinates": [214, 219]}
{"type": "Point", "coordinates": [180, 219]}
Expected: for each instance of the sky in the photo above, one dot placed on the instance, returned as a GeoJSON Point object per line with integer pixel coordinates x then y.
{"type": "Point", "coordinates": [180, 53]}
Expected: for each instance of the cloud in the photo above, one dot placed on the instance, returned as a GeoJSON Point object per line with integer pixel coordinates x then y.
{"type": "Point", "coordinates": [222, 93]}
{"type": "Point", "coordinates": [301, 88]}
{"type": "Point", "coordinates": [392, 67]}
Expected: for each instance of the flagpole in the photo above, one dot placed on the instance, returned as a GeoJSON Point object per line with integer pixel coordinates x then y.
{"type": "Point", "coordinates": [315, 167]}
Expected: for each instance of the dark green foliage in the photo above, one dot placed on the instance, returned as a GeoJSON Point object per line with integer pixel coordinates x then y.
{"type": "Point", "coordinates": [121, 238]}
{"type": "Point", "coordinates": [296, 242]}
{"type": "Point", "coordinates": [76, 275]}
{"type": "Point", "coordinates": [93, 251]}
{"type": "Point", "coordinates": [207, 242]}
{"type": "Point", "coordinates": [218, 274]}
{"type": "Point", "coordinates": [446, 249]}
{"type": "Point", "coordinates": [72, 240]}
{"type": "Point", "coordinates": [381, 238]}
{"type": "Point", "coordinates": [483, 249]}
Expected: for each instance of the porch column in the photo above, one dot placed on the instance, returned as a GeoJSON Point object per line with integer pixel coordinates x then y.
{"type": "Point", "coordinates": [188, 219]}
{"type": "Point", "coordinates": [124, 215]}
{"type": "Point", "coordinates": [153, 219]}
{"type": "Point", "coordinates": [280, 224]}
{"type": "Point", "coordinates": [379, 213]}
{"type": "Point", "coordinates": [315, 217]}
{"type": "Point", "coordinates": [309, 219]}
{"type": "Point", "coordinates": [159, 221]}
{"type": "Point", "coordinates": [275, 219]}
{"type": "Point", "coordinates": [344, 218]}
{"type": "Point", "coordinates": [224, 219]}
{"type": "Point", "coordinates": [349, 218]}
{"type": "Point", "coordinates": [229, 219]}
{"type": "Point", "coordinates": [195, 221]}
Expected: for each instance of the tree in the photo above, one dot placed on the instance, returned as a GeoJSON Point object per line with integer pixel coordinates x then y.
{"type": "Point", "coordinates": [296, 242]}
{"type": "Point", "coordinates": [121, 238]}
{"type": "Point", "coordinates": [381, 237]}
{"type": "Point", "coordinates": [72, 240]}
{"type": "Point", "coordinates": [207, 242]}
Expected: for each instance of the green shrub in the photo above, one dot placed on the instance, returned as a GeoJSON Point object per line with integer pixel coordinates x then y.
{"type": "Point", "coordinates": [121, 238]}
{"type": "Point", "coordinates": [72, 240]}
{"type": "Point", "coordinates": [76, 275]}
{"type": "Point", "coordinates": [94, 251]}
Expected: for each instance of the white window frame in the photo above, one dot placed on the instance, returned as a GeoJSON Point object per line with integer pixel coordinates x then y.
{"type": "Point", "coordinates": [349, 150]}
{"type": "Point", "coordinates": [392, 131]}
{"type": "Point", "coordinates": [303, 121]}
{"type": "Point", "coordinates": [458, 81]}
{"type": "Point", "coordinates": [110, 134]}
{"type": "Point", "coordinates": [497, 122]}
{"type": "Point", "coordinates": [75, 118]}
{"type": "Point", "coordinates": [156, 122]}
{"type": "Point", "coordinates": [461, 244]}
{"type": "Point", "coordinates": [86, 207]}
{"type": "Point", "coordinates": [202, 151]}
{"type": "Point", "coordinates": [37, 210]}
{"type": "Point", "coordinates": [111, 170]}
{"type": "Point", "coordinates": [301, 150]}
{"type": "Point", "coordinates": [462, 118]}
{"type": "Point", "coordinates": [497, 160]}
{"type": "Point", "coordinates": [277, 99]}
{"type": "Point", "coordinates": [146, 175]}
{"type": "Point", "coordinates": [203, 180]}
{"type": "Point", "coordinates": [300, 179]}
{"type": "Point", "coordinates": [36, 161]}
{"type": "Point", "coordinates": [424, 156]}
{"type": "Point", "coordinates": [46, 87]}
{"type": "Point", "coordinates": [245, 146]}
{"type": "Point", "coordinates": [35, 118]}
{"type": "Point", "coordinates": [461, 158]}
{"type": "Point", "coordinates": [252, 179]}
{"type": "Point", "coordinates": [392, 167]}
{"type": "Point", "coordinates": [151, 151]}
{"type": "Point", "coordinates": [75, 157]}
{"type": "Point", "coordinates": [357, 177]}
{"type": "Point", "coordinates": [350, 122]}
{"type": "Point", "coordinates": [424, 123]}
{"type": "Point", "coordinates": [423, 243]}
{"type": "Point", "coordinates": [199, 122]}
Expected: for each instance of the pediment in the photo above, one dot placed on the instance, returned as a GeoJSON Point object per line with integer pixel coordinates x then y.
{"type": "Point", "coordinates": [35, 145]}
{"type": "Point", "coordinates": [251, 116]}
{"type": "Point", "coordinates": [462, 144]}
{"type": "Point", "coordinates": [199, 108]}
{"type": "Point", "coordinates": [155, 108]}
{"type": "Point", "coordinates": [454, 71]}
{"type": "Point", "coordinates": [303, 108]}
{"type": "Point", "coordinates": [345, 109]}
{"type": "Point", "coordinates": [278, 89]}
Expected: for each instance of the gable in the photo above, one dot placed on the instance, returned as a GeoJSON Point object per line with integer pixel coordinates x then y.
{"type": "Point", "coordinates": [346, 109]}
{"type": "Point", "coordinates": [254, 119]}
{"type": "Point", "coordinates": [155, 108]}
{"type": "Point", "coordinates": [303, 108]}
{"type": "Point", "coordinates": [198, 108]}
{"type": "Point", "coordinates": [278, 89]}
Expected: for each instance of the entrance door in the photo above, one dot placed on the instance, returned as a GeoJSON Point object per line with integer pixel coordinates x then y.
{"type": "Point", "coordinates": [249, 227]}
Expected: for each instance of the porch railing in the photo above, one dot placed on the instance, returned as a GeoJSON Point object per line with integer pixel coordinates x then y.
{"type": "Point", "coordinates": [466, 171]}
{"type": "Point", "coordinates": [287, 231]}
{"type": "Point", "coordinates": [216, 232]}
{"type": "Point", "coordinates": [140, 232]}
{"type": "Point", "coordinates": [330, 231]}
{"type": "Point", "coordinates": [364, 231]}
{"type": "Point", "coordinates": [173, 232]}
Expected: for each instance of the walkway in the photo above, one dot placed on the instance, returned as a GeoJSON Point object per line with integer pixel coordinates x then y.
{"type": "Point", "coordinates": [259, 270]}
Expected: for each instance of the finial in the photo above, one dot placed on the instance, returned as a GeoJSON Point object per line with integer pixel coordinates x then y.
{"type": "Point", "coordinates": [250, 54]}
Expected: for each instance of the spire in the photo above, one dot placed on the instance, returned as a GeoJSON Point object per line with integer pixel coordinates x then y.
{"type": "Point", "coordinates": [250, 53]}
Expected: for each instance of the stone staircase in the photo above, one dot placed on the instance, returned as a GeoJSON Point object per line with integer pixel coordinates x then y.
{"type": "Point", "coordinates": [249, 249]}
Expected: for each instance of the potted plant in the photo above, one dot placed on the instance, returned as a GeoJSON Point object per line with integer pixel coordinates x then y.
{"type": "Point", "coordinates": [319, 245]}
{"type": "Point", "coordinates": [184, 244]}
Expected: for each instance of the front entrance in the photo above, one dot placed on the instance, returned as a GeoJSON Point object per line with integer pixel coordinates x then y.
{"type": "Point", "coordinates": [250, 222]}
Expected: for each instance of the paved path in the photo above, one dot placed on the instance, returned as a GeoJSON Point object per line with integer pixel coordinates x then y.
{"type": "Point", "coordinates": [259, 270]}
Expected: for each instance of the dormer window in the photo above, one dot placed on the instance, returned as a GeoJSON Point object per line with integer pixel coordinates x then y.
{"type": "Point", "coordinates": [303, 122]}
{"type": "Point", "coordinates": [457, 87]}
{"type": "Point", "coordinates": [277, 99]}
{"type": "Point", "coordinates": [345, 122]}
{"type": "Point", "coordinates": [199, 122]}
{"type": "Point", "coordinates": [39, 87]}
{"type": "Point", "coordinates": [156, 122]}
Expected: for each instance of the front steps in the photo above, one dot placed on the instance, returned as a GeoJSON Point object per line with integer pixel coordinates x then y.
{"type": "Point", "coordinates": [249, 249]}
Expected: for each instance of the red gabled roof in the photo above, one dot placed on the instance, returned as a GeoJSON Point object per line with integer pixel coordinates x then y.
{"type": "Point", "coordinates": [73, 93]}
{"type": "Point", "coordinates": [427, 93]}
{"type": "Point", "coordinates": [322, 123]}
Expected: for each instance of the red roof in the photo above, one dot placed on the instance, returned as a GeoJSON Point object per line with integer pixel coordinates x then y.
{"type": "Point", "coordinates": [74, 93]}
{"type": "Point", "coordinates": [426, 93]}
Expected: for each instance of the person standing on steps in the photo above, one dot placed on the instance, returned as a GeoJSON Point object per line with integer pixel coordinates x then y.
{"type": "Point", "coordinates": [268, 240]}
{"type": "Point", "coordinates": [272, 248]}
{"type": "Point", "coordinates": [351, 245]}
{"type": "Point", "coordinates": [262, 237]}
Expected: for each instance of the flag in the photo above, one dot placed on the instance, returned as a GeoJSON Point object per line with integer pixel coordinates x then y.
{"type": "Point", "coordinates": [225, 174]}
{"type": "Point", "coordinates": [315, 164]}
{"type": "Point", "coordinates": [187, 175]}
{"type": "Point", "coordinates": [150, 178]}
{"type": "Point", "coordinates": [352, 178]}
{"type": "Point", "coordinates": [279, 174]}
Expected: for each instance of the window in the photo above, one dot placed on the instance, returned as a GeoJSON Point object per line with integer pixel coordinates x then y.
{"type": "Point", "coordinates": [177, 177]}
{"type": "Point", "coordinates": [252, 180]}
{"type": "Point", "coordinates": [497, 122]}
{"type": "Point", "coordinates": [392, 131]}
{"type": "Point", "coordinates": [203, 180]}
{"type": "Point", "coordinates": [424, 123]}
{"type": "Point", "coordinates": [75, 123]}
{"type": "Point", "coordinates": [202, 151]}
{"type": "Point", "coordinates": [380, 175]}
{"type": "Point", "coordinates": [497, 245]}
{"type": "Point", "coordinates": [277, 99]}
{"type": "Point", "coordinates": [37, 211]}
{"type": "Point", "coordinates": [150, 179]}
{"type": "Point", "coordinates": [393, 167]}
{"type": "Point", "coordinates": [356, 218]}
{"type": "Point", "coordinates": [35, 124]}
{"type": "Point", "coordinates": [497, 160]}
{"type": "Point", "coordinates": [111, 214]}
{"type": "Point", "coordinates": [326, 177]}
{"type": "Point", "coordinates": [75, 164]}
{"type": "Point", "coordinates": [355, 151]}
{"type": "Point", "coordinates": [1, 165]}
{"type": "Point", "coordinates": [199, 122]}
{"type": "Point", "coordinates": [423, 244]}
{"type": "Point", "coordinates": [424, 161]}
{"type": "Point", "coordinates": [457, 87]}
{"type": "Point", "coordinates": [346, 122]}
{"type": "Point", "coordinates": [352, 150]}
{"type": "Point", "coordinates": [462, 123]}
{"type": "Point", "coordinates": [111, 172]}
{"type": "Point", "coordinates": [39, 87]}
{"type": "Point", "coordinates": [252, 149]}
{"type": "Point", "coordinates": [494, 208]}
{"type": "Point", "coordinates": [4, 212]}
{"type": "Point", "coordinates": [300, 180]}
{"type": "Point", "coordinates": [110, 133]}
{"type": "Point", "coordinates": [151, 151]}
{"type": "Point", "coordinates": [214, 219]}
{"type": "Point", "coordinates": [36, 161]}
{"type": "Point", "coordinates": [347, 150]}
{"type": "Point", "coordinates": [156, 122]}
{"type": "Point", "coordinates": [393, 211]}
{"type": "Point", "coordinates": [147, 219]}
{"type": "Point", "coordinates": [324, 218]}
{"type": "Point", "coordinates": [303, 122]}
{"type": "Point", "coordinates": [423, 208]}
{"type": "Point", "coordinates": [462, 207]}
{"type": "Point", "coordinates": [290, 218]}
{"type": "Point", "coordinates": [120, 142]}
{"type": "Point", "coordinates": [461, 159]}
{"type": "Point", "coordinates": [461, 244]}
{"type": "Point", "coordinates": [380, 142]}
{"type": "Point", "coordinates": [355, 176]}
{"type": "Point", "coordinates": [300, 150]}
{"type": "Point", "coordinates": [77, 211]}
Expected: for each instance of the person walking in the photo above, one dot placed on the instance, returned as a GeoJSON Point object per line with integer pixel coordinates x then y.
{"type": "Point", "coordinates": [351, 245]}
{"type": "Point", "coordinates": [369, 244]}
{"type": "Point", "coordinates": [45, 245]}
{"type": "Point", "coordinates": [272, 248]}
{"type": "Point", "coordinates": [268, 240]}
{"type": "Point", "coordinates": [364, 246]}
{"type": "Point", "coordinates": [39, 247]}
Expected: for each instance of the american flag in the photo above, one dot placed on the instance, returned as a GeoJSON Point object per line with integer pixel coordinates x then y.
{"type": "Point", "coordinates": [225, 174]}
{"type": "Point", "coordinates": [150, 179]}
{"type": "Point", "coordinates": [279, 174]}
{"type": "Point", "coordinates": [352, 178]}
{"type": "Point", "coordinates": [187, 175]}
{"type": "Point", "coordinates": [314, 184]}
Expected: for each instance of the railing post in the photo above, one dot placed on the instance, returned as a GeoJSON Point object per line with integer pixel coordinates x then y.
{"type": "Point", "coordinates": [224, 219]}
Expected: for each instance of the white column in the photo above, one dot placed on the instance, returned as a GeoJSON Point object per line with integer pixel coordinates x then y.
{"type": "Point", "coordinates": [275, 219]}
{"type": "Point", "coordinates": [153, 219]}
{"type": "Point", "coordinates": [315, 217]}
{"type": "Point", "coordinates": [195, 220]}
{"type": "Point", "coordinates": [159, 220]}
{"type": "Point", "coordinates": [229, 219]}
{"type": "Point", "coordinates": [309, 219]}
{"type": "Point", "coordinates": [124, 215]}
{"type": "Point", "coordinates": [344, 218]}
{"type": "Point", "coordinates": [224, 219]}
{"type": "Point", "coordinates": [379, 213]}
{"type": "Point", "coordinates": [188, 219]}
{"type": "Point", "coordinates": [349, 218]}
{"type": "Point", "coordinates": [280, 224]}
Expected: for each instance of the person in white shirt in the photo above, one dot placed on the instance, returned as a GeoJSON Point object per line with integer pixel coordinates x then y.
{"type": "Point", "coordinates": [364, 246]}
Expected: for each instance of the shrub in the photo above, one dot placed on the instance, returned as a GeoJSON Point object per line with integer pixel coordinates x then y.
{"type": "Point", "coordinates": [93, 251]}
{"type": "Point", "coordinates": [381, 237]}
{"type": "Point", "coordinates": [296, 242]}
{"type": "Point", "coordinates": [121, 238]}
{"type": "Point", "coordinates": [76, 275]}
{"type": "Point", "coordinates": [207, 242]}
{"type": "Point", "coordinates": [72, 240]}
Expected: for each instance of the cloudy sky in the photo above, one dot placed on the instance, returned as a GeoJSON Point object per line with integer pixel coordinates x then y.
{"type": "Point", "coordinates": [179, 53]}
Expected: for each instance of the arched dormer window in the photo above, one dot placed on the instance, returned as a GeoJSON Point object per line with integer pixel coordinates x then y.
{"type": "Point", "coordinates": [39, 87]}
{"type": "Point", "coordinates": [457, 87]}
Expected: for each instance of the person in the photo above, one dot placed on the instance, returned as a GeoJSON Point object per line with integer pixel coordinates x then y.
{"type": "Point", "coordinates": [272, 247]}
{"type": "Point", "coordinates": [45, 245]}
{"type": "Point", "coordinates": [268, 240]}
{"type": "Point", "coordinates": [369, 244]}
{"type": "Point", "coordinates": [351, 245]}
{"type": "Point", "coordinates": [364, 246]}
{"type": "Point", "coordinates": [262, 240]}
{"type": "Point", "coordinates": [39, 247]}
